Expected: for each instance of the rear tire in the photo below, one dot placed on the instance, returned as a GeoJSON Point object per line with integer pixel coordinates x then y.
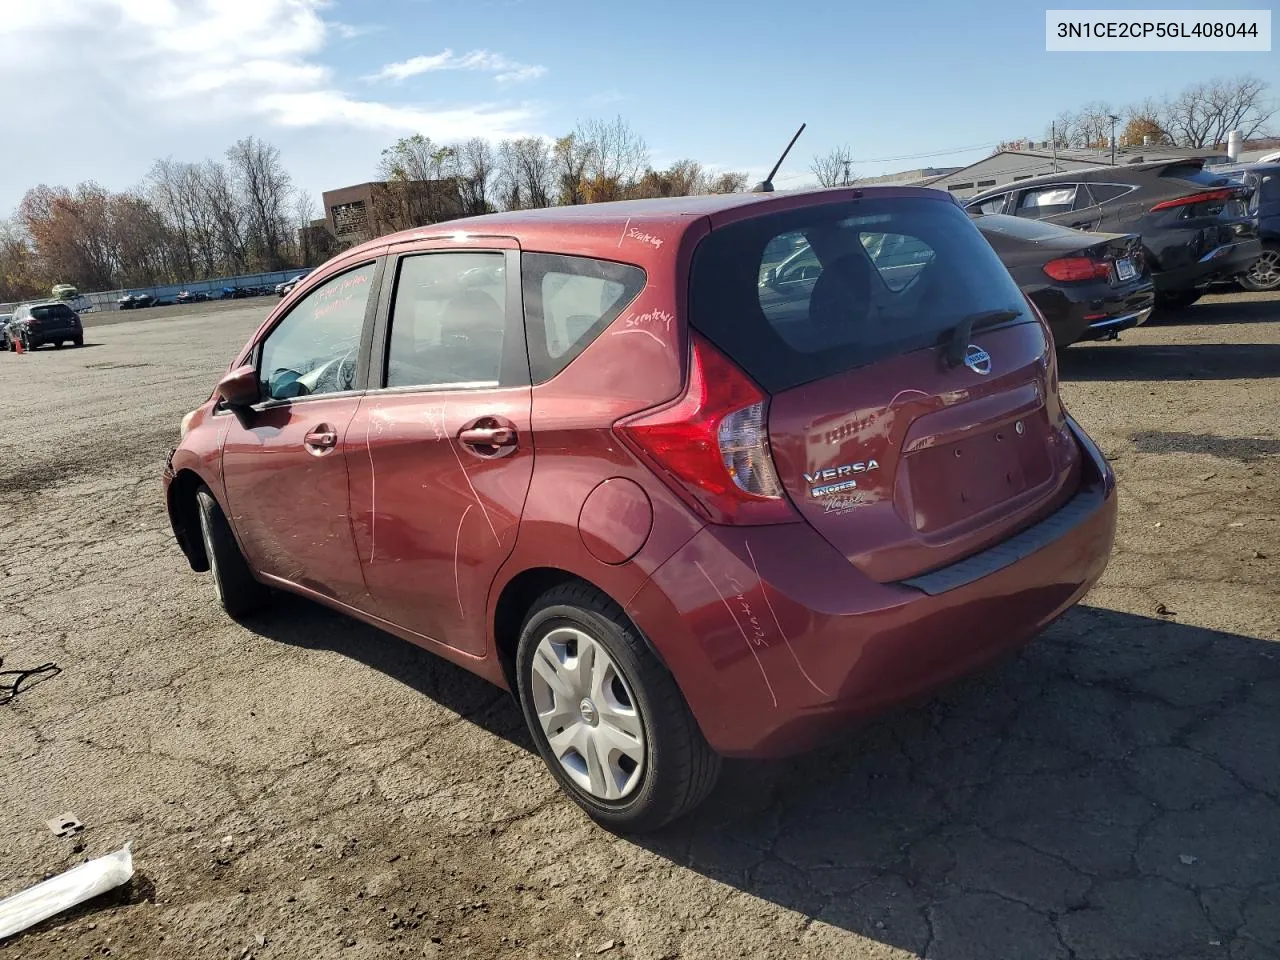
{"type": "Point", "coordinates": [629, 689]}
{"type": "Point", "coordinates": [238, 592]}
{"type": "Point", "coordinates": [1264, 275]}
{"type": "Point", "coordinates": [78, 341]}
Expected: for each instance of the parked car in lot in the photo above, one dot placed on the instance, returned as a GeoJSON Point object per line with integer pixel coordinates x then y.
{"type": "Point", "coordinates": [135, 301]}
{"type": "Point", "coordinates": [1194, 222]}
{"type": "Point", "coordinates": [282, 289]}
{"type": "Point", "coordinates": [187, 296]}
{"type": "Point", "coordinates": [1088, 286]}
{"type": "Point", "coordinates": [758, 512]}
{"type": "Point", "coordinates": [1264, 275]}
{"type": "Point", "coordinates": [43, 322]}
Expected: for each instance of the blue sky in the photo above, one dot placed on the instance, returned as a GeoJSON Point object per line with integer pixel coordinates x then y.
{"type": "Point", "coordinates": [331, 83]}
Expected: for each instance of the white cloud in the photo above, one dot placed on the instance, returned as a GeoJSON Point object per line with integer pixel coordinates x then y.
{"type": "Point", "coordinates": [504, 70]}
{"type": "Point", "coordinates": [180, 60]}
{"type": "Point", "coordinates": [349, 31]}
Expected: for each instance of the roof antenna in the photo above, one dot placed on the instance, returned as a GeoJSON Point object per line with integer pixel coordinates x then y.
{"type": "Point", "coordinates": [766, 185]}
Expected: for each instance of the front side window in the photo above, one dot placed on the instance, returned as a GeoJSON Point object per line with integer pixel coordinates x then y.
{"type": "Point", "coordinates": [314, 349]}
{"type": "Point", "coordinates": [448, 321]}
{"type": "Point", "coordinates": [990, 205]}
{"type": "Point", "coordinates": [1047, 201]}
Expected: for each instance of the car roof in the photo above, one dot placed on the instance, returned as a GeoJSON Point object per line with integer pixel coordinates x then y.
{"type": "Point", "coordinates": [631, 229]}
{"type": "Point", "coordinates": [1117, 174]}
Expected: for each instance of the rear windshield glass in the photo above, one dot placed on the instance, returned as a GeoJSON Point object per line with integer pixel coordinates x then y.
{"type": "Point", "coordinates": [1195, 174]}
{"type": "Point", "coordinates": [1021, 228]}
{"type": "Point", "coordinates": [864, 280]}
{"type": "Point", "coordinates": [54, 311]}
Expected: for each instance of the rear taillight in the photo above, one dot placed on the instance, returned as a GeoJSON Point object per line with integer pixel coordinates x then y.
{"type": "Point", "coordinates": [1208, 196]}
{"type": "Point", "coordinates": [1069, 269]}
{"type": "Point", "coordinates": [712, 445]}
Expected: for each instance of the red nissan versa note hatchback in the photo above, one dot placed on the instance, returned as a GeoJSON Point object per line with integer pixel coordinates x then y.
{"type": "Point", "coordinates": [684, 503]}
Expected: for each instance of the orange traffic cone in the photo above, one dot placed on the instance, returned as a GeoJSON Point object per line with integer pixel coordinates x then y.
{"type": "Point", "coordinates": [17, 346]}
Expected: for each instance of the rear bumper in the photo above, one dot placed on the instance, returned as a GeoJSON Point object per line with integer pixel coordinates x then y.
{"type": "Point", "coordinates": [1221, 263]}
{"type": "Point", "coordinates": [778, 642]}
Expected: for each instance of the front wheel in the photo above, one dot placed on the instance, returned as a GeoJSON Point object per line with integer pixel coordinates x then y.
{"type": "Point", "coordinates": [238, 592]}
{"type": "Point", "coordinates": [1264, 275]}
{"type": "Point", "coordinates": [608, 719]}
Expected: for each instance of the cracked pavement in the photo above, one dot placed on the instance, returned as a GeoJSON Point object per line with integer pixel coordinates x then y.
{"type": "Point", "coordinates": [308, 787]}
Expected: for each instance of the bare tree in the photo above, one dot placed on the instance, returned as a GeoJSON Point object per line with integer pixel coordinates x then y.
{"type": "Point", "coordinates": [571, 156]}
{"type": "Point", "coordinates": [832, 168]}
{"type": "Point", "coordinates": [422, 186]}
{"type": "Point", "coordinates": [525, 174]}
{"type": "Point", "coordinates": [304, 212]}
{"type": "Point", "coordinates": [265, 188]}
{"type": "Point", "coordinates": [615, 154]}
{"type": "Point", "coordinates": [474, 164]}
{"type": "Point", "coordinates": [1205, 113]}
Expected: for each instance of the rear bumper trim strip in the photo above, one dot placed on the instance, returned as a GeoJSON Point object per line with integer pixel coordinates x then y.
{"type": "Point", "coordinates": [1074, 512]}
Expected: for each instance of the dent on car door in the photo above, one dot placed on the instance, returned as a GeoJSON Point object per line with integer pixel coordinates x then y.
{"type": "Point", "coordinates": [446, 453]}
{"type": "Point", "coordinates": [285, 460]}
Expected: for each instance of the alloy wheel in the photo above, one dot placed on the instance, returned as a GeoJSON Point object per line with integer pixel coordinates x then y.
{"type": "Point", "coordinates": [1265, 272]}
{"type": "Point", "coordinates": [588, 714]}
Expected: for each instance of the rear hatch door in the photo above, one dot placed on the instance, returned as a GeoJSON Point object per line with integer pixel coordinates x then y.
{"type": "Point", "coordinates": [904, 459]}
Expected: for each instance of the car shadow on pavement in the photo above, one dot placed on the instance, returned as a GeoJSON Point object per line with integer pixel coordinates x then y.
{"type": "Point", "coordinates": [1149, 361]}
{"type": "Point", "coordinates": [301, 623]}
{"type": "Point", "coordinates": [1243, 449]}
{"type": "Point", "coordinates": [1229, 311]}
{"type": "Point", "coordinates": [1112, 792]}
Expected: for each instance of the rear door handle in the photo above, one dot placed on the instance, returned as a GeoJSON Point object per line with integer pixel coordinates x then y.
{"type": "Point", "coordinates": [488, 436]}
{"type": "Point", "coordinates": [321, 439]}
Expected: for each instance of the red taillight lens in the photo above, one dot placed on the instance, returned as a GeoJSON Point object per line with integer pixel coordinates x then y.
{"type": "Point", "coordinates": [1209, 196]}
{"type": "Point", "coordinates": [1069, 269]}
{"type": "Point", "coordinates": [712, 445]}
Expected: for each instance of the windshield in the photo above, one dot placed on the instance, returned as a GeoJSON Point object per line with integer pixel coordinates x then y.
{"type": "Point", "coordinates": [865, 279]}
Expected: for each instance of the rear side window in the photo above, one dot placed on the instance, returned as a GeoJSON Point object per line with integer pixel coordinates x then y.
{"type": "Point", "coordinates": [875, 278]}
{"type": "Point", "coordinates": [568, 302]}
{"type": "Point", "coordinates": [990, 205]}
{"type": "Point", "coordinates": [1046, 201]}
{"type": "Point", "coordinates": [1105, 192]}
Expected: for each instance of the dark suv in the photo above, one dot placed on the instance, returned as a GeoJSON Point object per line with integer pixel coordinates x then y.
{"type": "Point", "coordinates": [683, 512]}
{"type": "Point", "coordinates": [1195, 223]}
{"type": "Point", "coordinates": [1265, 205]}
{"type": "Point", "coordinates": [36, 324]}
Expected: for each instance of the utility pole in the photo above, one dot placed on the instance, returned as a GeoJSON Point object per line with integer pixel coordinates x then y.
{"type": "Point", "coordinates": [1053, 132]}
{"type": "Point", "coordinates": [1114, 120]}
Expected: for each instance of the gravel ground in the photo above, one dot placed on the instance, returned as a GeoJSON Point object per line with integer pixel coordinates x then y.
{"type": "Point", "coordinates": [308, 787]}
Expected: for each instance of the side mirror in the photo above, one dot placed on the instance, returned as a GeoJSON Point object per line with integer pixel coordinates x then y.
{"type": "Point", "coordinates": [240, 387]}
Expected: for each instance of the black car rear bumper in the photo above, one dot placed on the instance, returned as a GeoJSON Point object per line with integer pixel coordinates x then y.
{"type": "Point", "coordinates": [1220, 263]}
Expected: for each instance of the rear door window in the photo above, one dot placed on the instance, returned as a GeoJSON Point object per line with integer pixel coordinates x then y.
{"type": "Point", "coordinates": [448, 321]}
{"type": "Point", "coordinates": [568, 302]}
{"type": "Point", "coordinates": [1046, 201]}
{"type": "Point", "coordinates": [875, 278]}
